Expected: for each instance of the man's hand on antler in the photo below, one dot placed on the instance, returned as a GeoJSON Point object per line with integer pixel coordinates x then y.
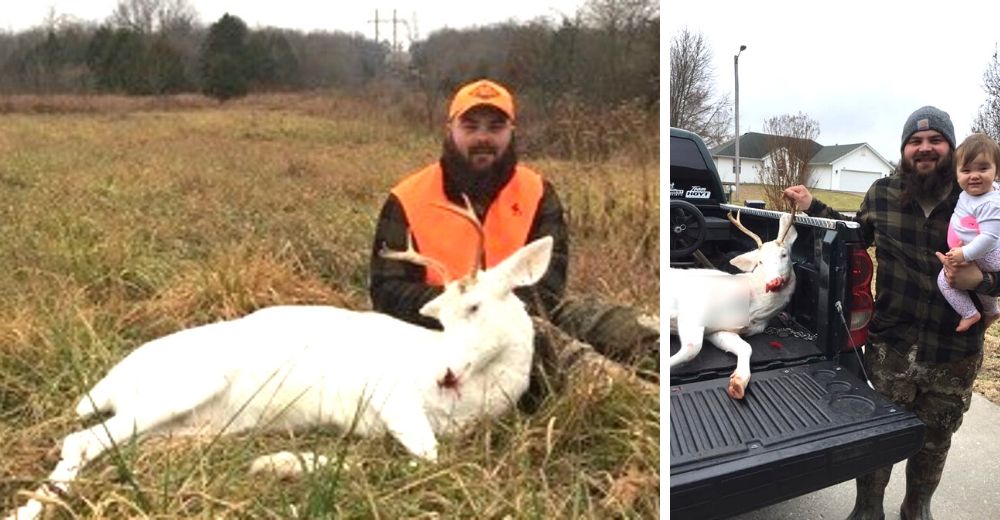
{"type": "Point", "coordinates": [799, 196]}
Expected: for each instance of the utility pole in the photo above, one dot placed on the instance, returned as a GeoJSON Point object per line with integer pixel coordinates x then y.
{"type": "Point", "coordinates": [395, 21]}
{"type": "Point", "coordinates": [736, 73]}
{"type": "Point", "coordinates": [377, 22]}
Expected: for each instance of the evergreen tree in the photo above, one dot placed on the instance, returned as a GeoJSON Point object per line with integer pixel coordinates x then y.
{"type": "Point", "coordinates": [272, 63]}
{"type": "Point", "coordinates": [225, 63]}
{"type": "Point", "coordinates": [117, 59]}
{"type": "Point", "coordinates": [166, 68]}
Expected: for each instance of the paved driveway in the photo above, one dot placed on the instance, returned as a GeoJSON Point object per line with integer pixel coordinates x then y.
{"type": "Point", "coordinates": [970, 488]}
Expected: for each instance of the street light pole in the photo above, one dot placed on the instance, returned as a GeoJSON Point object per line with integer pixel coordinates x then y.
{"type": "Point", "coordinates": [736, 69]}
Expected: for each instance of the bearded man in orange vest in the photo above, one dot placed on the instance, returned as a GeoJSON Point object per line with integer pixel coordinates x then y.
{"type": "Point", "coordinates": [516, 206]}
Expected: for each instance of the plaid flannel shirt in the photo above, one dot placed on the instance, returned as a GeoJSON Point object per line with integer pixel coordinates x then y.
{"type": "Point", "coordinates": [909, 308]}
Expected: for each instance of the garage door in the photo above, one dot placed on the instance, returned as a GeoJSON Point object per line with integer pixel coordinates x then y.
{"type": "Point", "coordinates": [858, 181]}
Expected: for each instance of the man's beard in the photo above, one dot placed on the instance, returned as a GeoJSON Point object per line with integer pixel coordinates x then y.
{"type": "Point", "coordinates": [480, 185]}
{"type": "Point", "coordinates": [928, 186]}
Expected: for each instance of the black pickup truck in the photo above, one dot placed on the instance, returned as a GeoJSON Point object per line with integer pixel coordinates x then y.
{"type": "Point", "coordinates": [809, 419]}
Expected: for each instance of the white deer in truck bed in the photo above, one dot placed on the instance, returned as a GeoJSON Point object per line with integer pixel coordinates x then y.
{"type": "Point", "coordinates": [718, 306]}
{"type": "Point", "coordinates": [290, 367]}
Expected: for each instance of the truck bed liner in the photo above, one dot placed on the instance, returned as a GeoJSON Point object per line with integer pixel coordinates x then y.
{"type": "Point", "coordinates": [781, 344]}
{"type": "Point", "coordinates": [806, 426]}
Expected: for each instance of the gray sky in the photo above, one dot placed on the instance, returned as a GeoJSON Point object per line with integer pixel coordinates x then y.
{"type": "Point", "coordinates": [857, 67]}
{"type": "Point", "coordinates": [328, 15]}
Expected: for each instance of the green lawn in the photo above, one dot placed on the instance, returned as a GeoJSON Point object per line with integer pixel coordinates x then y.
{"type": "Point", "coordinates": [838, 200]}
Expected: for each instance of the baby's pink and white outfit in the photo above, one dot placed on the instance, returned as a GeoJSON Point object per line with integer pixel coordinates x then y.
{"type": "Point", "coordinates": [976, 225]}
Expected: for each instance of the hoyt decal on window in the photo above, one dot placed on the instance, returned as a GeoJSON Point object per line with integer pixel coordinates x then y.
{"type": "Point", "coordinates": [697, 192]}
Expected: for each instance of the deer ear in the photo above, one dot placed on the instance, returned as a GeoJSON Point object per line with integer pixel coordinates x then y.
{"type": "Point", "coordinates": [432, 309]}
{"type": "Point", "coordinates": [527, 265]}
{"type": "Point", "coordinates": [747, 261]}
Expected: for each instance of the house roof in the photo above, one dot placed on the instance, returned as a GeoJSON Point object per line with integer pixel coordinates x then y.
{"type": "Point", "coordinates": [753, 145]}
{"type": "Point", "coordinates": [828, 154]}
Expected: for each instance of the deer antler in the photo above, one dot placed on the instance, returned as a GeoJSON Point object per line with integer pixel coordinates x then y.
{"type": "Point", "coordinates": [470, 214]}
{"type": "Point", "coordinates": [749, 233]}
{"type": "Point", "coordinates": [781, 239]}
{"type": "Point", "coordinates": [411, 255]}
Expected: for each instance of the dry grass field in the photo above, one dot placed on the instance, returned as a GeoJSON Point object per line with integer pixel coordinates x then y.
{"type": "Point", "coordinates": [123, 220]}
{"type": "Point", "coordinates": [988, 382]}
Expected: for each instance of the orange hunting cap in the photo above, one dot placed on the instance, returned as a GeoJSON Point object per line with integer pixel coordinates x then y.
{"type": "Point", "coordinates": [482, 92]}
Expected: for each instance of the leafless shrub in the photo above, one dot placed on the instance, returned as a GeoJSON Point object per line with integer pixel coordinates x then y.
{"type": "Point", "coordinates": [790, 144]}
{"type": "Point", "coordinates": [694, 104]}
{"type": "Point", "coordinates": [575, 130]}
{"type": "Point", "coordinates": [988, 119]}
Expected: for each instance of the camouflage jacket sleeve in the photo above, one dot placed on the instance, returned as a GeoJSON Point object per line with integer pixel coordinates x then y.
{"type": "Point", "coordinates": [398, 288]}
{"type": "Point", "coordinates": [542, 297]}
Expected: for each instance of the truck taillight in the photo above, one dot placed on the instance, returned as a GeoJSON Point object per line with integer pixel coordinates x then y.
{"type": "Point", "coordinates": [861, 305]}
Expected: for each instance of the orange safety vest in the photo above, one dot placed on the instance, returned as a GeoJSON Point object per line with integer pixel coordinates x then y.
{"type": "Point", "coordinates": [450, 238]}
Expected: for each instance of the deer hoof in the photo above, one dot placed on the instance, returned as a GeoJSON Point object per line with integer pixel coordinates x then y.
{"type": "Point", "coordinates": [737, 386]}
{"type": "Point", "coordinates": [287, 465]}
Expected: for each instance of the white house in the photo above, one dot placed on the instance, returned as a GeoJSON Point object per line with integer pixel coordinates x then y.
{"type": "Point", "coordinates": [845, 167]}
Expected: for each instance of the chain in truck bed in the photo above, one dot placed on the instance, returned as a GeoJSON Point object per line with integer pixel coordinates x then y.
{"type": "Point", "coordinates": [790, 329]}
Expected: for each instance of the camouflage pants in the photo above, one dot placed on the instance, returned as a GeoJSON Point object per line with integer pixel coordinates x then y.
{"type": "Point", "coordinates": [938, 393]}
{"type": "Point", "coordinates": [589, 330]}
{"type": "Point", "coordinates": [618, 332]}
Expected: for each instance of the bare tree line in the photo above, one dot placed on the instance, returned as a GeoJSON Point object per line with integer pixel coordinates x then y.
{"type": "Point", "coordinates": [694, 103]}
{"type": "Point", "coordinates": [696, 106]}
{"type": "Point", "coordinates": [605, 55]}
{"type": "Point", "coordinates": [988, 119]}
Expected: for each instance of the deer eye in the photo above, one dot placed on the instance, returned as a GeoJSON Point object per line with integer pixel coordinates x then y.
{"type": "Point", "coordinates": [472, 309]}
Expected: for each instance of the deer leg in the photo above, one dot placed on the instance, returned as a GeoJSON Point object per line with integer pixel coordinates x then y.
{"type": "Point", "coordinates": [690, 329]}
{"type": "Point", "coordinates": [732, 342]}
{"type": "Point", "coordinates": [82, 447]}
{"type": "Point", "coordinates": [408, 423]}
{"type": "Point", "coordinates": [78, 449]}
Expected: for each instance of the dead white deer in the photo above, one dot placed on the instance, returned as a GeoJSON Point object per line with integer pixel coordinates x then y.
{"type": "Point", "coordinates": [290, 367]}
{"type": "Point", "coordinates": [718, 306]}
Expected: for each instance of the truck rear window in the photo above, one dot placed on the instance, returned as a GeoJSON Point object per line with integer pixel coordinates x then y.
{"type": "Point", "coordinates": [684, 153]}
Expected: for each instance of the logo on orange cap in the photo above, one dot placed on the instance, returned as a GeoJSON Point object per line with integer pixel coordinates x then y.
{"type": "Point", "coordinates": [482, 92]}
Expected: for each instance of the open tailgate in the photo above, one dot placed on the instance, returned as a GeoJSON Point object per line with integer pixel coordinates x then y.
{"type": "Point", "coordinates": [799, 429]}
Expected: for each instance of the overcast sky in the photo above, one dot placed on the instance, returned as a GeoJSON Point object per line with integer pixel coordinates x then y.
{"type": "Point", "coordinates": [308, 15]}
{"type": "Point", "coordinates": [859, 68]}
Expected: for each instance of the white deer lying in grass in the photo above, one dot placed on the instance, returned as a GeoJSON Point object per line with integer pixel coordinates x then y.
{"type": "Point", "coordinates": [718, 306]}
{"type": "Point", "coordinates": [290, 367]}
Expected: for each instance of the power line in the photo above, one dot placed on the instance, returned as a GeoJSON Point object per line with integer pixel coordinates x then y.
{"type": "Point", "coordinates": [395, 21]}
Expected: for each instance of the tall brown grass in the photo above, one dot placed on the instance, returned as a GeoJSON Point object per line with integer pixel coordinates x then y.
{"type": "Point", "coordinates": [123, 220]}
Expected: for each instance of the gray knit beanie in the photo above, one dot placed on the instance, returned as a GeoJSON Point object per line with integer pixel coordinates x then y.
{"type": "Point", "coordinates": [929, 118]}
